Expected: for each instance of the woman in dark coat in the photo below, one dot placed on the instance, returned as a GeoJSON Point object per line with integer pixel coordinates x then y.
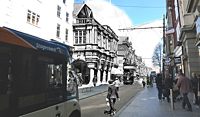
{"type": "Point", "coordinates": [168, 84]}
{"type": "Point", "coordinates": [194, 84]}
{"type": "Point", "coordinates": [112, 96]}
{"type": "Point", "coordinates": [159, 85]}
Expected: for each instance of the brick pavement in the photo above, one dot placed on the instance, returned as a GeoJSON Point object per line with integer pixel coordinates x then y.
{"type": "Point", "coordinates": [146, 104]}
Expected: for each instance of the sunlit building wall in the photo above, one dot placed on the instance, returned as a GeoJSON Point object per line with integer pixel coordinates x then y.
{"type": "Point", "coordinates": [47, 19]}
{"type": "Point", "coordinates": [187, 41]}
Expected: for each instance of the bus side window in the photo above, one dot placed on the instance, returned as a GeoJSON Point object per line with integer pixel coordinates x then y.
{"type": "Point", "coordinates": [5, 73]}
{"type": "Point", "coordinates": [3, 76]}
{"type": "Point", "coordinates": [55, 75]}
{"type": "Point", "coordinates": [71, 85]}
{"type": "Point", "coordinates": [55, 82]}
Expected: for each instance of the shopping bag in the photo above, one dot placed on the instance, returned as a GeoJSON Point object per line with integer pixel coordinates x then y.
{"type": "Point", "coordinates": [198, 93]}
{"type": "Point", "coordinates": [175, 88]}
{"type": "Point", "coordinates": [165, 92]}
{"type": "Point", "coordinates": [107, 102]}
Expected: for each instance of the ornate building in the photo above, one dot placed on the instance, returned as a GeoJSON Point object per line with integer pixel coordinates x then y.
{"type": "Point", "coordinates": [94, 43]}
{"type": "Point", "coordinates": [126, 54]}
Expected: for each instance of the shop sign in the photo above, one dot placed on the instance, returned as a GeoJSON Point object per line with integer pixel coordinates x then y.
{"type": "Point", "coordinates": [177, 60]}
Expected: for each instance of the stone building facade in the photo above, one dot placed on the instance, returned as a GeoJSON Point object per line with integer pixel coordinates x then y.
{"type": "Point", "coordinates": [126, 53]}
{"type": "Point", "coordinates": [132, 64]}
{"type": "Point", "coordinates": [94, 43]}
{"type": "Point", "coordinates": [185, 24]}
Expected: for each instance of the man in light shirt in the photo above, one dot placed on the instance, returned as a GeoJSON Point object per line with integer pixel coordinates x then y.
{"type": "Point", "coordinates": [117, 83]}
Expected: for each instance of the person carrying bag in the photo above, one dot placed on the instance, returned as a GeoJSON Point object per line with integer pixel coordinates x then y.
{"type": "Point", "coordinates": [111, 98]}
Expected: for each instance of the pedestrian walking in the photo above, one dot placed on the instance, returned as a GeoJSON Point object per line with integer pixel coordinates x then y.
{"type": "Point", "coordinates": [194, 84]}
{"type": "Point", "coordinates": [143, 83]}
{"type": "Point", "coordinates": [159, 85]}
{"type": "Point", "coordinates": [151, 80]}
{"type": "Point", "coordinates": [131, 78]}
{"type": "Point", "coordinates": [148, 81]}
{"type": "Point", "coordinates": [112, 97]}
{"type": "Point", "coordinates": [184, 85]}
{"type": "Point", "coordinates": [168, 84]}
{"type": "Point", "coordinates": [94, 81]}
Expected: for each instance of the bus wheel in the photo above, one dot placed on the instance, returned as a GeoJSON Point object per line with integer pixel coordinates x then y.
{"type": "Point", "coordinates": [75, 113]}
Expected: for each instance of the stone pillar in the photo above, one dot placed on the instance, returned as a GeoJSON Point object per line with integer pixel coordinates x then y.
{"type": "Point", "coordinates": [104, 77]}
{"type": "Point", "coordinates": [98, 77]}
{"type": "Point", "coordinates": [109, 72]}
{"type": "Point", "coordinates": [109, 75]}
{"type": "Point", "coordinates": [91, 76]}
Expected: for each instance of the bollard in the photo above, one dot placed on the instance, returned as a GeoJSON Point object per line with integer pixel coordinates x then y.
{"type": "Point", "coordinates": [171, 99]}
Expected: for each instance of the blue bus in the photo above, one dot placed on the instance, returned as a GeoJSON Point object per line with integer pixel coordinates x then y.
{"type": "Point", "coordinates": [34, 78]}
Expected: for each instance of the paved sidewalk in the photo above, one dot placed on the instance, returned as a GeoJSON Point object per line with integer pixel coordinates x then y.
{"type": "Point", "coordinates": [146, 104]}
{"type": "Point", "coordinates": [94, 91]}
{"type": "Point", "coordinates": [97, 90]}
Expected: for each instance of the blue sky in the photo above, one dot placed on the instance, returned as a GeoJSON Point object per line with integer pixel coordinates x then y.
{"type": "Point", "coordinates": [140, 11]}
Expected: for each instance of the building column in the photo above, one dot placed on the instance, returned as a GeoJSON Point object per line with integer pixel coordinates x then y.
{"type": "Point", "coordinates": [98, 77]}
{"type": "Point", "coordinates": [109, 75]}
{"type": "Point", "coordinates": [91, 77]}
{"type": "Point", "coordinates": [104, 77]}
{"type": "Point", "coordinates": [109, 71]}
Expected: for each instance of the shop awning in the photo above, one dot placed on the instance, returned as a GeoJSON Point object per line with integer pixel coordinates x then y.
{"type": "Point", "coordinates": [14, 37]}
{"type": "Point", "coordinates": [170, 31]}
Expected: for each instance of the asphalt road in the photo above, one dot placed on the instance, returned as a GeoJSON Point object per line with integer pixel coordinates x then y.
{"type": "Point", "coordinates": [94, 106]}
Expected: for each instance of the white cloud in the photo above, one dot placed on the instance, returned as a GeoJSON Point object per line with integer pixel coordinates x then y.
{"type": "Point", "coordinates": [108, 14]}
{"type": "Point", "coordinates": [143, 41]}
